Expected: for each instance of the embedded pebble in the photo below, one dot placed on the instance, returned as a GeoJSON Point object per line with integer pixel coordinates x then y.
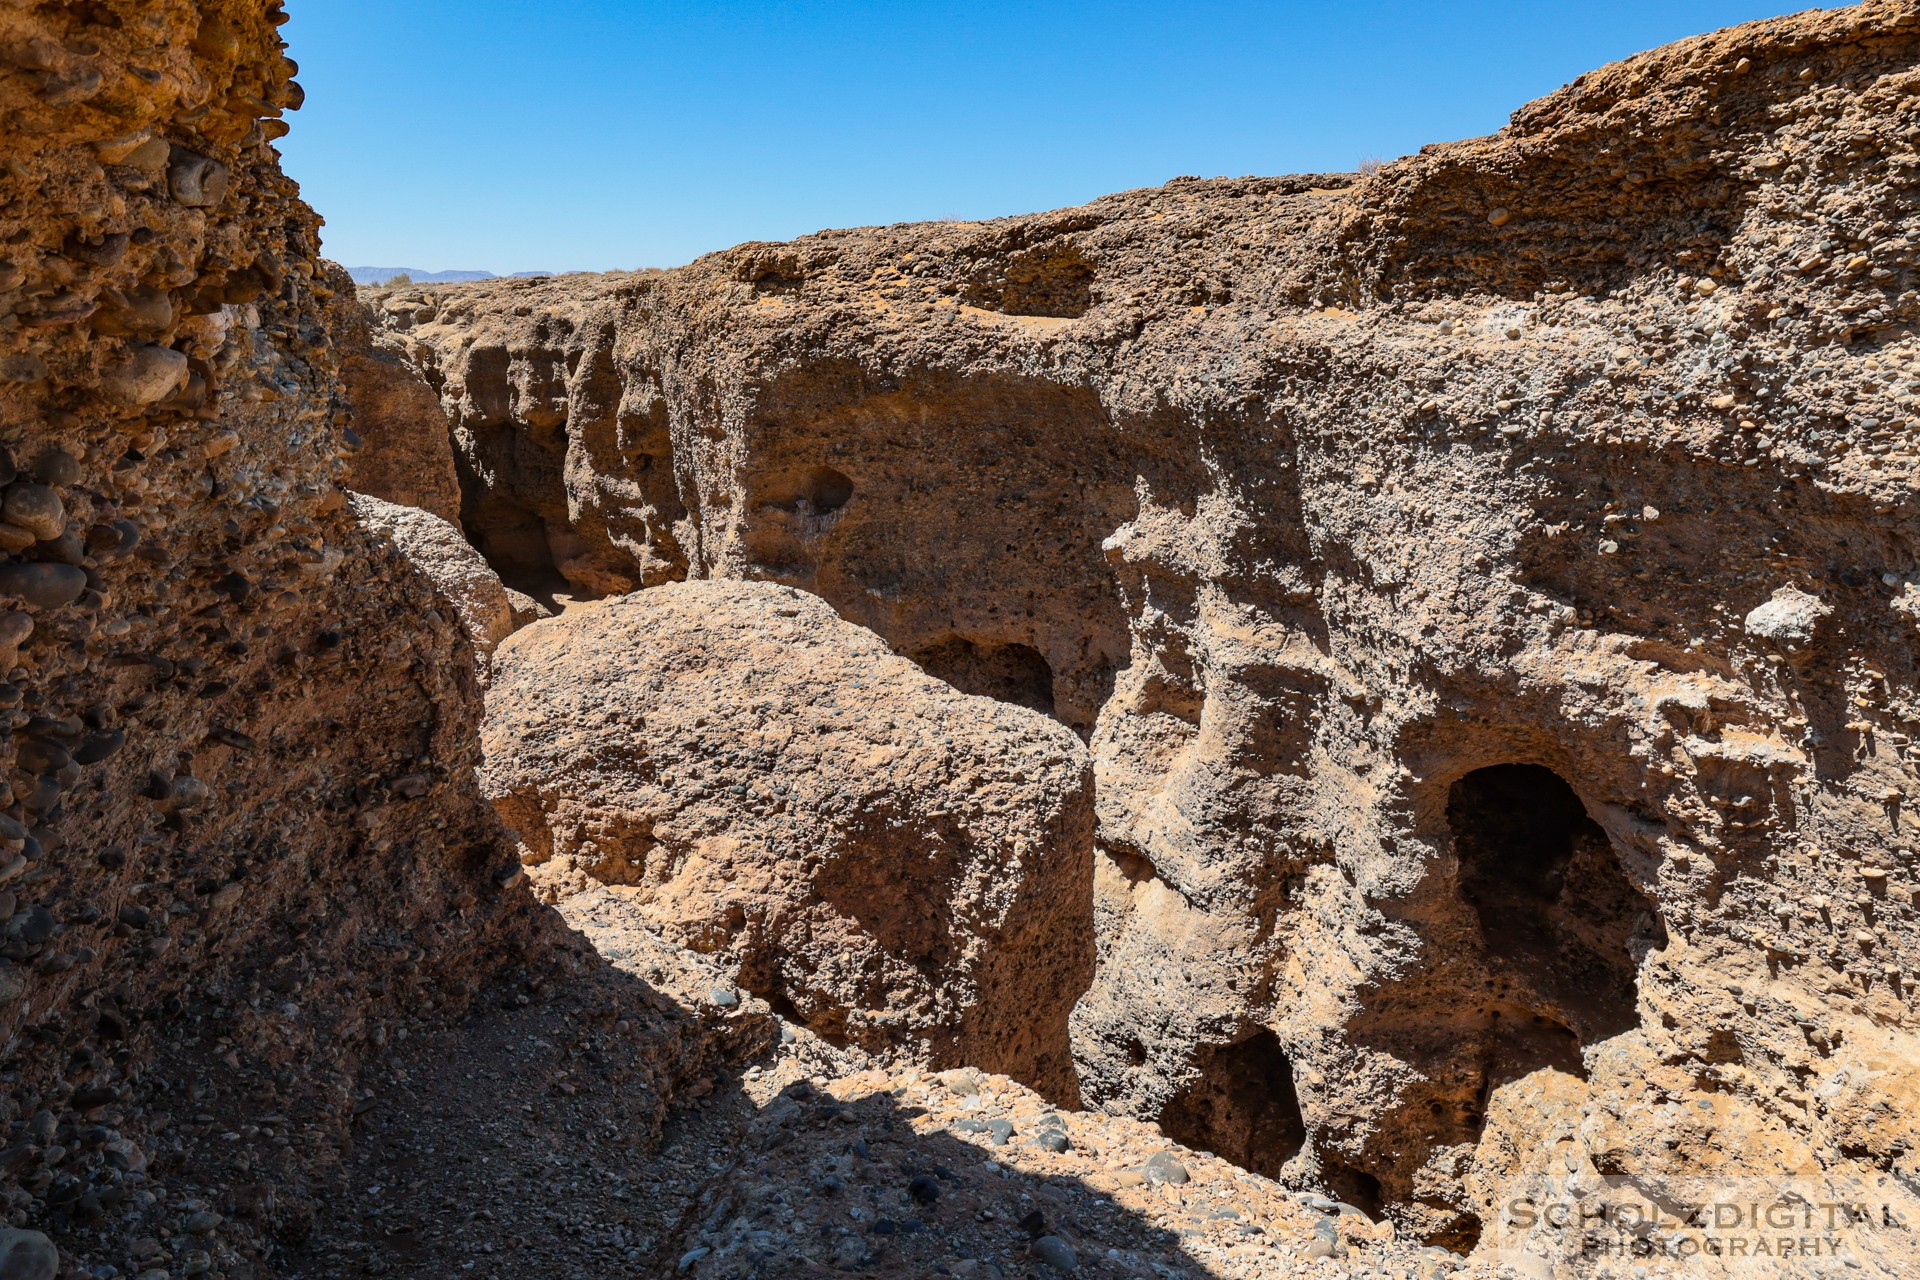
{"type": "Point", "coordinates": [44, 586]}
{"type": "Point", "coordinates": [35, 508]}
{"type": "Point", "coordinates": [1056, 1253]}
{"type": "Point", "coordinates": [145, 375]}
{"type": "Point", "coordinates": [27, 1255]}
{"type": "Point", "coordinates": [57, 467]}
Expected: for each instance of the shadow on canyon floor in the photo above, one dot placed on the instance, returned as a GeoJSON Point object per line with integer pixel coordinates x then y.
{"type": "Point", "coordinates": [532, 1139]}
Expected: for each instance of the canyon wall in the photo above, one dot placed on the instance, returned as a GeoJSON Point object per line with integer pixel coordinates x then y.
{"type": "Point", "coordinates": [241, 843]}
{"type": "Point", "coordinates": [1487, 589]}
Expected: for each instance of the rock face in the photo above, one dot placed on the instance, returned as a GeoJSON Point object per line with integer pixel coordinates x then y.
{"type": "Point", "coordinates": [1485, 587]}
{"type": "Point", "coordinates": [400, 447]}
{"type": "Point", "coordinates": [565, 484]}
{"type": "Point", "coordinates": [458, 573]}
{"type": "Point", "coordinates": [241, 842]}
{"type": "Point", "coordinates": [892, 862]}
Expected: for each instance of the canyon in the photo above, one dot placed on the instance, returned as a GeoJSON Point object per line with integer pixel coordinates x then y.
{"type": "Point", "coordinates": [1256, 727]}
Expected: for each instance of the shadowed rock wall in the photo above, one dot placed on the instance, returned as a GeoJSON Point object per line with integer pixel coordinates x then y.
{"type": "Point", "coordinates": [240, 840]}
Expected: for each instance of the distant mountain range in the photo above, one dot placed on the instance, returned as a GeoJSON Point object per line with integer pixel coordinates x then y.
{"type": "Point", "coordinates": [380, 275]}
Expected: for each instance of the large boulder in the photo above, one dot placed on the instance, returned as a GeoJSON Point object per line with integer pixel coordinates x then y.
{"type": "Point", "coordinates": [439, 550]}
{"type": "Point", "coordinates": [895, 863]}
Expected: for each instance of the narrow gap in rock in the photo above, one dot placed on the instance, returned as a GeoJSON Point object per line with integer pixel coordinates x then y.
{"type": "Point", "coordinates": [514, 541]}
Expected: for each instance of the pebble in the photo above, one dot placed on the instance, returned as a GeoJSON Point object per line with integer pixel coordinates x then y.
{"type": "Point", "coordinates": [1051, 1140]}
{"type": "Point", "coordinates": [1165, 1167]}
{"type": "Point", "coordinates": [57, 466]}
{"type": "Point", "coordinates": [14, 630]}
{"type": "Point", "coordinates": [44, 586]}
{"type": "Point", "coordinates": [722, 998]}
{"type": "Point", "coordinates": [692, 1256]}
{"type": "Point", "coordinates": [35, 508]}
{"type": "Point", "coordinates": [41, 755]}
{"type": "Point", "coordinates": [1056, 1253]}
{"type": "Point", "coordinates": [147, 374]}
{"type": "Point", "coordinates": [100, 746]}
{"type": "Point", "coordinates": [196, 181]}
{"type": "Point", "coordinates": [960, 1081]}
{"type": "Point", "coordinates": [27, 1255]}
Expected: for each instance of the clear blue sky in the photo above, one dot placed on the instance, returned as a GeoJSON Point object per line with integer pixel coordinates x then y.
{"type": "Point", "coordinates": [509, 135]}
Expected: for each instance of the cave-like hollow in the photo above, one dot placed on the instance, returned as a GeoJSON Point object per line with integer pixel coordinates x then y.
{"type": "Point", "coordinates": [1241, 1106]}
{"type": "Point", "coordinates": [1558, 917]}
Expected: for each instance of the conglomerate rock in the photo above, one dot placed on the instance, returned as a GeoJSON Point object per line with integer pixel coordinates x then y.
{"type": "Point", "coordinates": [890, 861]}
{"type": "Point", "coordinates": [241, 842]}
{"type": "Point", "coordinates": [458, 572]}
{"type": "Point", "coordinates": [1486, 587]}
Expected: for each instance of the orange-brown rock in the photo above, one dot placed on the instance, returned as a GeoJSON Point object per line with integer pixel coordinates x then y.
{"type": "Point", "coordinates": [400, 449]}
{"type": "Point", "coordinates": [893, 862]}
{"type": "Point", "coordinates": [1486, 587]}
{"type": "Point", "coordinates": [457, 572]}
{"type": "Point", "coordinates": [241, 841]}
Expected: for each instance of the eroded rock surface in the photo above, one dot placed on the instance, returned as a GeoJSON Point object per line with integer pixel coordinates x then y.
{"type": "Point", "coordinates": [565, 483]}
{"type": "Point", "coordinates": [459, 574]}
{"type": "Point", "coordinates": [891, 862]}
{"type": "Point", "coordinates": [242, 849]}
{"type": "Point", "coordinates": [1482, 594]}
{"type": "Point", "coordinates": [1485, 586]}
{"type": "Point", "coordinates": [399, 448]}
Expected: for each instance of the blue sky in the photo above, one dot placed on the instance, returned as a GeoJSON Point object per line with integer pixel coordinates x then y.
{"type": "Point", "coordinates": [510, 135]}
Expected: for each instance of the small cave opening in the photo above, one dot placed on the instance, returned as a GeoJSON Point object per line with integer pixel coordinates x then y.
{"type": "Point", "coordinates": [514, 541]}
{"type": "Point", "coordinates": [1562, 928]}
{"type": "Point", "coordinates": [1356, 1187]}
{"type": "Point", "coordinates": [1242, 1106]}
{"type": "Point", "coordinates": [809, 491]}
{"type": "Point", "coordinates": [1538, 935]}
{"type": "Point", "coordinates": [1015, 673]}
